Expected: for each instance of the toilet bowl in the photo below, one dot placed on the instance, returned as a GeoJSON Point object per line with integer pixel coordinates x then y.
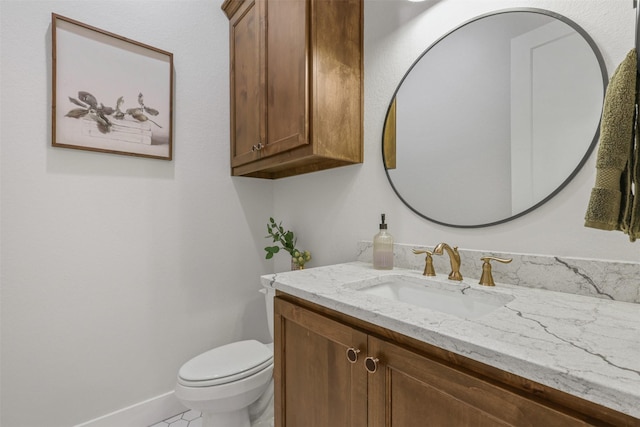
{"type": "Point", "coordinates": [224, 382]}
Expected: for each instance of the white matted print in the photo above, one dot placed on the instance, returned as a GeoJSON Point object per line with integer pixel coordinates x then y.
{"type": "Point", "coordinates": [110, 94]}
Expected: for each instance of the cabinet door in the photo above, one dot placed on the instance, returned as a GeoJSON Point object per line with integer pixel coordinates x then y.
{"type": "Point", "coordinates": [315, 383]}
{"type": "Point", "coordinates": [409, 390]}
{"type": "Point", "coordinates": [286, 78]}
{"type": "Point", "coordinates": [247, 99]}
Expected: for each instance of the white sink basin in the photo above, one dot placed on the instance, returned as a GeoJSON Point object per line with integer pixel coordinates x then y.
{"type": "Point", "coordinates": [454, 298]}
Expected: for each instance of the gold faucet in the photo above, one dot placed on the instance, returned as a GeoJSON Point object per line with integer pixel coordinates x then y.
{"type": "Point", "coordinates": [486, 279]}
{"type": "Point", "coordinates": [454, 258]}
{"type": "Point", "coordinates": [428, 262]}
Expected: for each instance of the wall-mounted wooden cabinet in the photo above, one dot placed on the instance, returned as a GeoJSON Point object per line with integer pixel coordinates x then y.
{"type": "Point", "coordinates": [296, 85]}
{"type": "Point", "coordinates": [333, 370]}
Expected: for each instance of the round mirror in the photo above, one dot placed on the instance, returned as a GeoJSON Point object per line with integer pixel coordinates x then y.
{"type": "Point", "coordinates": [494, 118]}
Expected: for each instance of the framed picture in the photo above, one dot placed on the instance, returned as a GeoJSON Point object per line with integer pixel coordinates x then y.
{"type": "Point", "coordinates": [110, 94]}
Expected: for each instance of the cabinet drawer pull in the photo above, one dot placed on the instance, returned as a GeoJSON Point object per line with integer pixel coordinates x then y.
{"type": "Point", "coordinates": [352, 354]}
{"type": "Point", "coordinates": [371, 364]}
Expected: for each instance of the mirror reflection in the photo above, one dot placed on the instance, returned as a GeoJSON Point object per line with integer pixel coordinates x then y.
{"type": "Point", "coordinates": [495, 118]}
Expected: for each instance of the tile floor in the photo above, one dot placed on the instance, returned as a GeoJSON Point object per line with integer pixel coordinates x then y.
{"type": "Point", "coordinates": [261, 413]}
{"type": "Point", "coordinates": [186, 419]}
{"type": "Point", "coordinates": [194, 419]}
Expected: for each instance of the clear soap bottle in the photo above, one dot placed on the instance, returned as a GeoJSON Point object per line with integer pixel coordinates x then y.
{"type": "Point", "coordinates": [383, 248]}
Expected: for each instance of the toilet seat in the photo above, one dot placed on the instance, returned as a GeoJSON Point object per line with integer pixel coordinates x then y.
{"type": "Point", "coordinates": [226, 364]}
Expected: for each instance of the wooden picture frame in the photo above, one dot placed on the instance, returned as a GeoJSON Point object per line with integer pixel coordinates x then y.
{"type": "Point", "coordinates": [110, 94]}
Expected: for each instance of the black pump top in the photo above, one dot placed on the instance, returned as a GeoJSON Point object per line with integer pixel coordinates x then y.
{"type": "Point", "coordinates": [383, 226]}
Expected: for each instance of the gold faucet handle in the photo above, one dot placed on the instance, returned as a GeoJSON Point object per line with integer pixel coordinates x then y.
{"type": "Point", "coordinates": [486, 279]}
{"type": "Point", "coordinates": [492, 258]}
{"type": "Point", "coordinates": [428, 266]}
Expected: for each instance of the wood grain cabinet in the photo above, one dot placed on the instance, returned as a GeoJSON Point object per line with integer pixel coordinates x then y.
{"type": "Point", "coordinates": [331, 370]}
{"type": "Point", "coordinates": [295, 85]}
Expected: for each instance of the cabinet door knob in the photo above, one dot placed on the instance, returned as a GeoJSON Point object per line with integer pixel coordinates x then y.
{"type": "Point", "coordinates": [371, 364]}
{"type": "Point", "coordinates": [257, 147]}
{"type": "Point", "coordinates": [352, 354]}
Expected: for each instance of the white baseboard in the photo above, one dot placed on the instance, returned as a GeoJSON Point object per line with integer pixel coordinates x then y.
{"type": "Point", "coordinates": [141, 414]}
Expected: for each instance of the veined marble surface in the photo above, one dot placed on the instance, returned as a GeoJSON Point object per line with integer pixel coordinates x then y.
{"type": "Point", "coordinates": [585, 346]}
{"type": "Point", "coordinates": [613, 280]}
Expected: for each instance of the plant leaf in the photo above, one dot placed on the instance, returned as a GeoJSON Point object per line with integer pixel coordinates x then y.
{"type": "Point", "coordinates": [106, 110]}
{"type": "Point", "coordinates": [104, 125]}
{"type": "Point", "coordinates": [77, 113]}
{"type": "Point", "coordinates": [104, 118]}
{"type": "Point", "coordinates": [151, 111]}
{"type": "Point", "coordinates": [119, 103]}
{"type": "Point", "coordinates": [87, 98]}
{"type": "Point", "coordinates": [103, 128]}
{"type": "Point", "coordinates": [78, 103]}
{"type": "Point", "coordinates": [271, 250]}
{"type": "Point", "coordinates": [288, 238]}
{"type": "Point", "coordinates": [134, 111]}
{"type": "Point", "coordinates": [140, 117]}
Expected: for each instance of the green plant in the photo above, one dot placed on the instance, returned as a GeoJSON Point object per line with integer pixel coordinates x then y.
{"type": "Point", "coordinates": [285, 240]}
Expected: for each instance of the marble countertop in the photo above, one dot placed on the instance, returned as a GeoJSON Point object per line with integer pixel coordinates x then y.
{"type": "Point", "coordinates": [585, 346]}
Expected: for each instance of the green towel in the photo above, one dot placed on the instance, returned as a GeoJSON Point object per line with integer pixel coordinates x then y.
{"type": "Point", "coordinates": [611, 198]}
{"type": "Point", "coordinates": [634, 201]}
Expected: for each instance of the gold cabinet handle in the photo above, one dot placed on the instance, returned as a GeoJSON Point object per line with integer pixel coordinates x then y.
{"type": "Point", "coordinates": [486, 279]}
{"type": "Point", "coordinates": [352, 354]}
{"type": "Point", "coordinates": [257, 147]}
{"type": "Point", "coordinates": [371, 364]}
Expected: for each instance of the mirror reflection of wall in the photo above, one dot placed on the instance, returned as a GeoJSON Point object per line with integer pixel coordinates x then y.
{"type": "Point", "coordinates": [547, 94]}
{"type": "Point", "coordinates": [495, 116]}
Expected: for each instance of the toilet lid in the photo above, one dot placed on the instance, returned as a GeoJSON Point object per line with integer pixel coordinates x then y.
{"type": "Point", "coordinates": [231, 362]}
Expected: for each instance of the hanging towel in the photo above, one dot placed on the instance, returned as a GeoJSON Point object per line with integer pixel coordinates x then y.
{"type": "Point", "coordinates": [611, 198]}
{"type": "Point", "coordinates": [634, 181]}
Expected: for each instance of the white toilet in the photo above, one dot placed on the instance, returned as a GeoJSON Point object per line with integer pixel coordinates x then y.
{"type": "Point", "coordinates": [228, 383]}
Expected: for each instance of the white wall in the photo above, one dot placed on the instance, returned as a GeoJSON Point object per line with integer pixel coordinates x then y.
{"type": "Point", "coordinates": [116, 270]}
{"type": "Point", "coordinates": [333, 209]}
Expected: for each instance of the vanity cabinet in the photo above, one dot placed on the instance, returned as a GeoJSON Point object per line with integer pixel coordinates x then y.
{"type": "Point", "coordinates": [335, 370]}
{"type": "Point", "coordinates": [410, 389]}
{"type": "Point", "coordinates": [295, 85]}
{"type": "Point", "coordinates": [316, 385]}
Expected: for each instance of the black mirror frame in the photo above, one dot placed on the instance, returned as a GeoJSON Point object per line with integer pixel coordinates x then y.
{"type": "Point", "coordinates": [590, 149]}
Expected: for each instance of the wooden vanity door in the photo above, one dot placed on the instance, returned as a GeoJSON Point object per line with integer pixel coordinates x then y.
{"type": "Point", "coordinates": [410, 390]}
{"type": "Point", "coordinates": [247, 97]}
{"type": "Point", "coordinates": [286, 68]}
{"type": "Point", "coordinates": [315, 383]}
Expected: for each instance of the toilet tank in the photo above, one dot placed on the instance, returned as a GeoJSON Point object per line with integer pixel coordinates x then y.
{"type": "Point", "coordinates": [269, 294]}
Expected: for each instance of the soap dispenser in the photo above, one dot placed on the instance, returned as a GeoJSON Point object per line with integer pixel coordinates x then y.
{"type": "Point", "coordinates": [383, 248]}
